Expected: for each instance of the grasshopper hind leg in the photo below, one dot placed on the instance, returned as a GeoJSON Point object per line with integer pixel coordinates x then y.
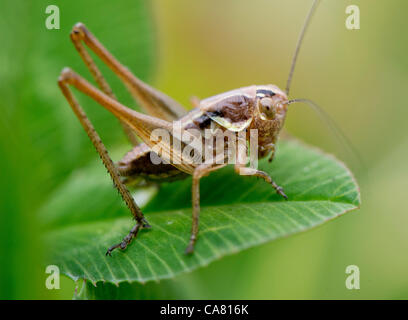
{"type": "Point", "coordinates": [64, 81]}
{"type": "Point", "coordinates": [128, 239]}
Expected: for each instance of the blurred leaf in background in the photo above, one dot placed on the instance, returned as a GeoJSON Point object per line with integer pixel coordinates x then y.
{"type": "Point", "coordinates": [41, 140]}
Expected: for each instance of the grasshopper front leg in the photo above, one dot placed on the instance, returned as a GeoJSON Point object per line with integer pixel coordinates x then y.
{"type": "Point", "coordinates": [245, 171]}
{"type": "Point", "coordinates": [241, 169]}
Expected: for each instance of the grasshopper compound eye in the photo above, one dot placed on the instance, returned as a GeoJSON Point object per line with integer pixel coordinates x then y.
{"type": "Point", "coordinates": [267, 109]}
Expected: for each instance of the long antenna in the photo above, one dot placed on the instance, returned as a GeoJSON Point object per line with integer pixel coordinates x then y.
{"type": "Point", "coordinates": [299, 43]}
{"type": "Point", "coordinates": [341, 137]}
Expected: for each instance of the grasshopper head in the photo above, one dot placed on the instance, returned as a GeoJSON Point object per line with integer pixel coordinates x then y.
{"type": "Point", "coordinates": [271, 103]}
{"type": "Point", "coordinates": [269, 116]}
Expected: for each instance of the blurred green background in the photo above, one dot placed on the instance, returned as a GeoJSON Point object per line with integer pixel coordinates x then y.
{"type": "Point", "coordinates": [201, 48]}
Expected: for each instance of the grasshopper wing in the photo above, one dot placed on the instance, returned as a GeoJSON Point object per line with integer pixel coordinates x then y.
{"type": "Point", "coordinates": [232, 110]}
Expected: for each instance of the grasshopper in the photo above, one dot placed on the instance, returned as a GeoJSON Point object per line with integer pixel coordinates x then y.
{"type": "Point", "coordinates": [254, 107]}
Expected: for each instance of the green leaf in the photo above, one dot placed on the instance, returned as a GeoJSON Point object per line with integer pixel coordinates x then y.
{"type": "Point", "coordinates": [86, 216]}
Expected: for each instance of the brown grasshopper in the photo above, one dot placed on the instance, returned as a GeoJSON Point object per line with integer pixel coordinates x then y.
{"type": "Point", "coordinates": [255, 107]}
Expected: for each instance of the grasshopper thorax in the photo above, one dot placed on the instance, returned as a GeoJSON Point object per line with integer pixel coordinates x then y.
{"type": "Point", "coordinates": [262, 108]}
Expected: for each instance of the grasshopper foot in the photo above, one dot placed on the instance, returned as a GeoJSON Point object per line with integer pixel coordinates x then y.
{"type": "Point", "coordinates": [146, 224]}
{"type": "Point", "coordinates": [128, 239]}
{"type": "Point", "coordinates": [279, 190]}
{"type": "Point", "coordinates": [190, 247]}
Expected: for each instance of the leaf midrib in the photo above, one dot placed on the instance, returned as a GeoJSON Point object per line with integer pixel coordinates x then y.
{"type": "Point", "coordinates": [239, 247]}
{"type": "Point", "coordinates": [57, 228]}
